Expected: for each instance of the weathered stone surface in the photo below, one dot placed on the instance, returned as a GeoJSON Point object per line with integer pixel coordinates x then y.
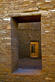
{"type": "Point", "coordinates": [8, 37]}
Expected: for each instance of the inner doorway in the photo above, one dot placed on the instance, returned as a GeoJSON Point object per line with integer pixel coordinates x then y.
{"type": "Point", "coordinates": [34, 49]}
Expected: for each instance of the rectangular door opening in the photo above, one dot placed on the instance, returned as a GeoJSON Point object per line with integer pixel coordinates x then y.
{"type": "Point", "coordinates": [29, 42]}
{"type": "Point", "coordinates": [34, 49]}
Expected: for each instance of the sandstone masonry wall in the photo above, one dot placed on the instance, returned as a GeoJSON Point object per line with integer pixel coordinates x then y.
{"type": "Point", "coordinates": [28, 32]}
{"type": "Point", "coordinates": [12, 8]}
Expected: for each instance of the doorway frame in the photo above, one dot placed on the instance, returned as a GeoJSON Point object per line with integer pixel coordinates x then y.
{"type": "Point", "coordinates": [15, 65]}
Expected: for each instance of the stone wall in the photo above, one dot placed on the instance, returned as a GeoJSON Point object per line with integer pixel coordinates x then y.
{"type": "Point", "coordinates": [28, 32]}
{"type": "Point", "coordinates": [12, 8]}
{"type": "Point", "coordinates": [14, 45]}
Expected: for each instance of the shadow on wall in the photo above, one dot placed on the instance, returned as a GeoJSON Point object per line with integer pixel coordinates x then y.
{"type": "Point", "coordinates": [28, 32]}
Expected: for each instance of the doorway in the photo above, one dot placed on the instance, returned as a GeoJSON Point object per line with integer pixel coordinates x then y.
{"type": "Point", "coordinates": [34, 49]}
{"type": "Point", "coordinates": [28, 29]}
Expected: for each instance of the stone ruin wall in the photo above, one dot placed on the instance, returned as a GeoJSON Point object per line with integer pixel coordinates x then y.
{"type": "Point", "coordinates": [10, 8]}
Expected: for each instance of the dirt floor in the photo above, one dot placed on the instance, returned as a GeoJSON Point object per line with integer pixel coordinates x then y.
{"type": "Point", "coordinates": [30, 63]}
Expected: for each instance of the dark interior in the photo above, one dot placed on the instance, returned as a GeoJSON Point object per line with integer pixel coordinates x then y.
{"type": "Point", "coordinates": [22, 19]}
